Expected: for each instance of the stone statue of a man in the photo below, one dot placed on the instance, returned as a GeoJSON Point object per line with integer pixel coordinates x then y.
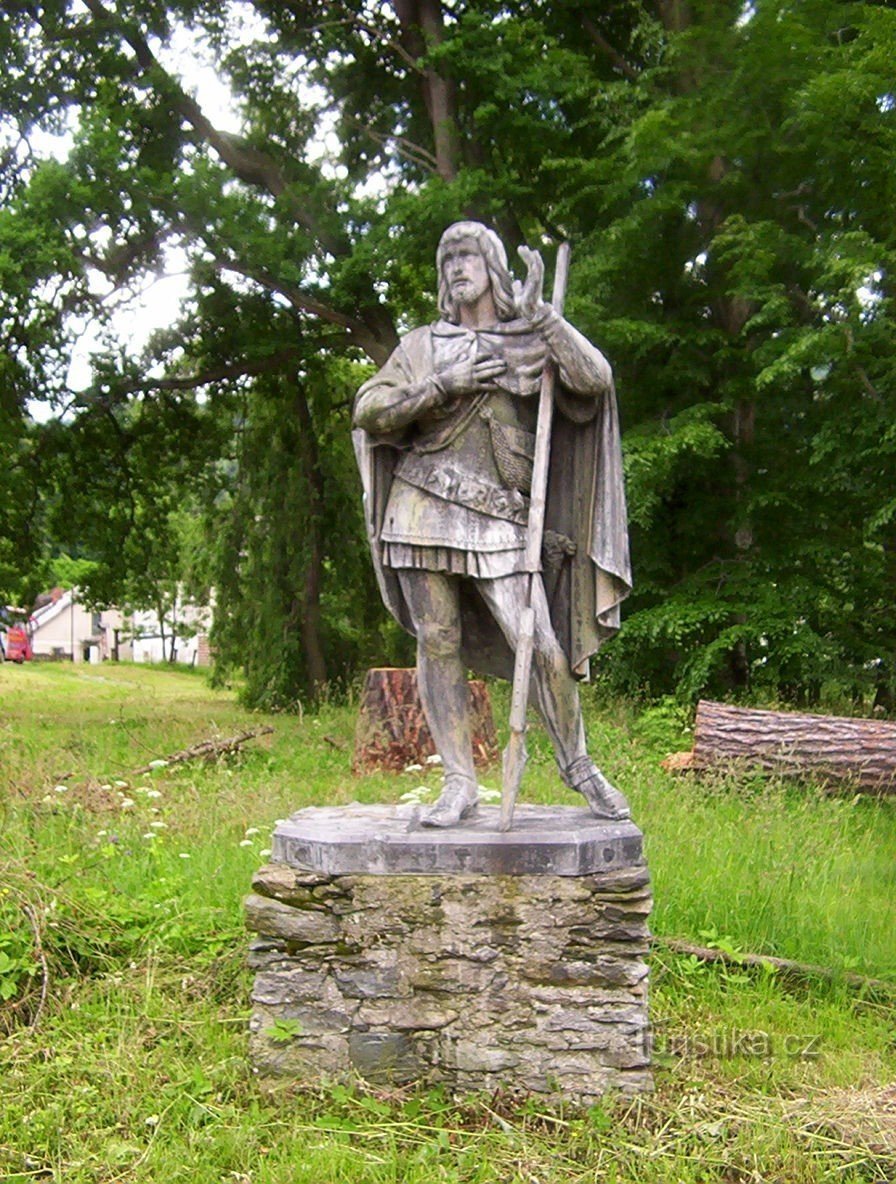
{"type": "Point", "coordinates": [445, 440]}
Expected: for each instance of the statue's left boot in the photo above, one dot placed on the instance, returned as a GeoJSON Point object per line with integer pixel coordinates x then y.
{"type": "Point", "coordinates": [458, 799]}
{"type": "Point", "coordinates": [604, 800]}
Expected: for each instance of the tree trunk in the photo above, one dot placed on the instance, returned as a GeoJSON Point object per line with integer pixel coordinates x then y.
{"type": "Point", "coordinates": [830, 748]}
{"type": "Point", "coordinates": [172, 653]}
{"type": "Point", "coordinates": [392, 732]}
{"type": "Point", "coordinates": [423, 29]}
{"type": "Point", "coordinates": [310, 611]}
{"type": "Point", "coordinates": [160, 612]}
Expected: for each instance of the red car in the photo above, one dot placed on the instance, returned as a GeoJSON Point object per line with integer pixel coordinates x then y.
{"type": "Point", "coordinates": [18, 644]}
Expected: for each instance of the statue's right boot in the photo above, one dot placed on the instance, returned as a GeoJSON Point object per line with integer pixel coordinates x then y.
{"type": "Point", "coordinates": [604, 799]}
{"type": "Point", "coordinates": [459, 799]}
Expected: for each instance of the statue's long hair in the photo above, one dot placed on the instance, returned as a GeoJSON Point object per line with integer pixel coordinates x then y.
{"type": "Point", "coordinates": [496, 264]}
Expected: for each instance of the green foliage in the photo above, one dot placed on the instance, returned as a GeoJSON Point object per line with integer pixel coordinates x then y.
{"type": "Point", "coordinates": [724, 175]}
{"type": "Point", "coordinates": [296, 604]}
{"type": "Point", "coordinates": [17, 962]}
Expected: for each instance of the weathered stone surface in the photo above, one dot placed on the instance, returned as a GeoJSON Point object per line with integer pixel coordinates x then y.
{"type": "Point", "coordinates": [472, 1057]}
{"type": "Point", "coordinates": [276, 919]}
{"type": "Point", "coordinates": [319, 1058]}
{"type": "Point", "coordinates": [384, 1056]}
{"type": "Point", "coordinates": [416, 1015]}
{"type": "Point", "coordinates": [284, 986]}
{"type": "Point", "coordinates": [530, 982]}
{"type": "Point", "coordinates": [289, 885]}
{"type": "Point", "coordinates": [369, 982]}
{"type": "Point", "coordinates": [384, 840]}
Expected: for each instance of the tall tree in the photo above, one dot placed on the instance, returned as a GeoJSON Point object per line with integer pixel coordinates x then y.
{"type": "Point", "coordinates": [722, 169]}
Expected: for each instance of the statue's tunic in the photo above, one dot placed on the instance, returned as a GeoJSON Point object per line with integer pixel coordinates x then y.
{"type": "Point", "coordinates": [447, 479]}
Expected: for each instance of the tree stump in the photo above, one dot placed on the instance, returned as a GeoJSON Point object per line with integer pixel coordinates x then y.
{"type": "Point", "coordinates": [392, 732]}
{"type": "Point", "coordinates": [831, 748]}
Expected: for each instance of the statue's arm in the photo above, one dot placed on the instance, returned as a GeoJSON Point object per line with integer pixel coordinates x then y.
{"type": "Point", "coordinates": [583, 369]}
{"type": "Point", "coordinates": [409, 387]}
{"type": "Point", "coordinates": [396, 396]}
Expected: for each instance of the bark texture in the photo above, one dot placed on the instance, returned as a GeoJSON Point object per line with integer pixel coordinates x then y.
{"type": "Point", "coordinates": [392, 732]}
{"type": "Point", "coordinates": [861, 752]}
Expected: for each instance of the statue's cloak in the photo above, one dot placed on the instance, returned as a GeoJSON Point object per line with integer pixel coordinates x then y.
{"type": "Point", "coordinates": [585, 503]}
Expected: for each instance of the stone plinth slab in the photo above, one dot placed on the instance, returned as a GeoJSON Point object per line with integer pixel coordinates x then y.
{"type": "Point", "coordinates": [388, 840]}
{"type": "Point", "coordinates": [477, 977]}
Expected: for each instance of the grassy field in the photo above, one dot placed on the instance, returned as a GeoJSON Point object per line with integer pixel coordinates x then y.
{"type": "Point", "coordinates": [124, 995]}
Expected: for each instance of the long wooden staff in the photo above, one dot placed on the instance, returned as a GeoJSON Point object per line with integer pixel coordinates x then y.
{"type": "Point", "coordinates": [515, 754]}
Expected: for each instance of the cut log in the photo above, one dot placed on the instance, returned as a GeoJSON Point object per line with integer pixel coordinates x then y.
{"type": "Point", "coordinates": [860, 753]}
{"type": "Point", "coordinates": [392, 732]}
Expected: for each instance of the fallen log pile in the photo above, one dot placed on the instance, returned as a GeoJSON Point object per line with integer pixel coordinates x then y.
{"type": "Point", "coordinates": [836, 750]}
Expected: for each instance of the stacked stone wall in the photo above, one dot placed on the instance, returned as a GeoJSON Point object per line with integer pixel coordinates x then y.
{"type": "Point", "coordinates": [535, 983]}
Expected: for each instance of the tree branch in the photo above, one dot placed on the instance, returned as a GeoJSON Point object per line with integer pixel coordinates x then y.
{"type": "Point", "coordinates": [352, 20]}
{"type": "Point", "coordinates": [405, 147]}
{"type": "Point", "coordinates": [117, 261]}
{"type": "Point", "coordinates": [223, 372]}
{"type": "Point", "coordinates": [619, 62]}
{"type": "Point", "coordinates": [248, 163]}
{"type": "Point", "coordinates": [767, 961]}
{"type": "Point", "coordinates": [359, 332]}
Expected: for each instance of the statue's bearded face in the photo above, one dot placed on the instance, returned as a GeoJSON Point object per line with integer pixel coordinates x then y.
{"type": "Point", "coordinates": [465, 271]}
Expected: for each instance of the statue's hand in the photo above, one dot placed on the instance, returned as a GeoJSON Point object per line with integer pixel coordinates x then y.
{"type": "Point", "coordinates": [470, 377]}
{"type": "Point", "coordinates": [528, 294]}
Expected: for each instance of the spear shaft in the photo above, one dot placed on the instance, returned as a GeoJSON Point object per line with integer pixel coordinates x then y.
{"type": "Point", "coordinates": [515, 754]}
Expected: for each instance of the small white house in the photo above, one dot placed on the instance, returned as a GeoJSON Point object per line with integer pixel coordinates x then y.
{"type": "Point", "coordinates": [191, 646]}
{"type": "Point", "coordinates": [64, 628]}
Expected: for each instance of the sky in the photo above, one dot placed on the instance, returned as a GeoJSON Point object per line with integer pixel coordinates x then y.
{"type": "Point", "coordinates": [159, 298]}
{"type": "Point", "coordinates": [157, 301]}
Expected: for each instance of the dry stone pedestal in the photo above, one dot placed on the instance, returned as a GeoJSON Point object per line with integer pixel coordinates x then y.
{"type": "Point", "coordinates": [470, 957]}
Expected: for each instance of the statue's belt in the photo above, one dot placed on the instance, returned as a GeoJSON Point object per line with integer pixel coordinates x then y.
{"type": "Point", "coordinates": [464, 489]}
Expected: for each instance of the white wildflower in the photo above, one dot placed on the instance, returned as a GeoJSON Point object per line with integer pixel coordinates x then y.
{"type": "Point", "coordinates": [121, 784]}
{"type": "Point", "coordinates": [418, 794]}
{"type": "Point", "coordinates": [489, 795]}
{"type": "Point", "coordinates": [252, 830]}
{"type": "Point", "coordinates": [183, 855]}
{"type": "Point", "coordinates": [59, 789]}
{"type": "Point", "coordinates": [245, 842]}
{"type": "Point", "coordinates": [435, 759]}
{"type": "Point", "coordinates": [413, 768]}
{"type": "Point", "coordinates": [127, 803]}
{"type": "Point", "coordinates": [265, 852]}
{"type": "Point", "coordinates": [153, 793]}
{"type": "Point", "coordinates": [150, 835]}
{"type": "Point", "coordinates": [158, 764]}
{"type": "Point", "coordinates": [158, 824]}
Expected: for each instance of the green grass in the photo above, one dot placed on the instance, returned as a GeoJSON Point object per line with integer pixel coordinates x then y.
{"type": "Point", "coordinates": [136, 1068]}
